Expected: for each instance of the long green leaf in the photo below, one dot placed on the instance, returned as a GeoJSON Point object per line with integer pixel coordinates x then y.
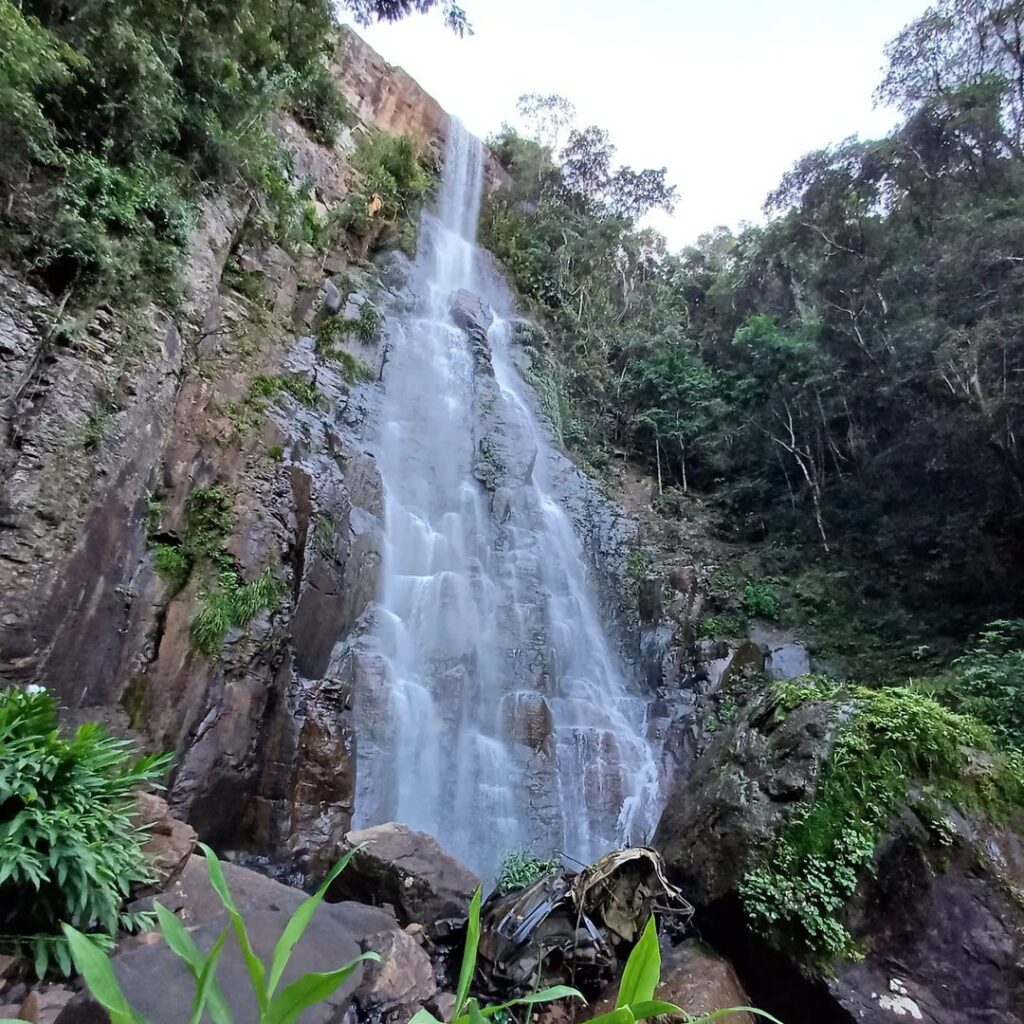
{"type": "Point", "coordinates": [468, 969]}
{"type": "Point", "coordinates": [643, 969]}
{"type": "Point", "coordinates": [306, 991]}
{"type": "Point", "coordinates": [204, 983]}
{"type": "Point", "coordinates": [254, 965]}
{"type": "Point", "coordinates": [94, 966]}
{"type": "Point", "coordinates": [299, 922]}
{"type": "Point", "coordinates": [181, 943]}
{"type": "Point", "coordinates": [545, 995]}
{"type": "Point", "coordinates": [654, 1008]}
{"type": "Point", "coordinates": [719, 1014]}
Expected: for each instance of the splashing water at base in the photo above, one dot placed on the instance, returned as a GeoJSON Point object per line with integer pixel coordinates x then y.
{"type": "Point", "coordinates": [502, 719]}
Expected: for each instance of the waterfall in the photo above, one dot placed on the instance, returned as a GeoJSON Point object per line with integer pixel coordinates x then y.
{"type": "Point", "coordinates": [501, 718]}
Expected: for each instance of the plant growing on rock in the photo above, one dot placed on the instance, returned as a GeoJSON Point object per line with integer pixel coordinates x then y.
{"type": "Point", "coordinates": [520, 868]}
{"type": "Point", "coordinates": [892, 739]}
{"type": "Point", "coordinates": [232, 602]}
{"type": "Point", "coordinates": [69, 847]}
{"type": "Point", "coordinates": [275, 1007]}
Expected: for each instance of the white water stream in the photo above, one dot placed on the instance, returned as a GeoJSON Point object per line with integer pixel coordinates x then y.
{"type": "Point", "coordinates": [505, 721]}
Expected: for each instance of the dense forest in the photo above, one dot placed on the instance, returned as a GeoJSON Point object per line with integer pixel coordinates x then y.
{"type": "Point", "coordinates": [848, 376]}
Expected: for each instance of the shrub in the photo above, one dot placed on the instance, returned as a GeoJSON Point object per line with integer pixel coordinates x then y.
{"type": "Point", "coordinates": [988, 681]}
{"type": "Point", "coordinates": [69, 848]}
{"type": "Point", "coordinates": [171, 563]}
{"type": "Point", "coordinates": [759, 601]}
{"type": "Point", "coordinates": [519, 869]}
{"type": "Point", "coordinates": [320, 107]}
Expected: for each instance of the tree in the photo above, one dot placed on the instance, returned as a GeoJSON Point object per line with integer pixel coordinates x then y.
{"type": "Point", "coordinates": [545, 117]}
{"type": "Point", "coordinates": [366, 12]}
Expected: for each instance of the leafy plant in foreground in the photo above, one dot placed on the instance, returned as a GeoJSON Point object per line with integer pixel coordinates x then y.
{"type": "Point", "coordinates": [275, 1007]}
{"type": "Point", "coordinates": [69, 847]}
{"type": "Point", "coordinates": [635, 1001]}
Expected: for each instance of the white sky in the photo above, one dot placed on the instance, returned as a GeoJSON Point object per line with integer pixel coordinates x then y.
{"type": "Point", "coordinates": [726, 93]}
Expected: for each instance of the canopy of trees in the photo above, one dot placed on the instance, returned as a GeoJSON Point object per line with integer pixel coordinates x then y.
{"type": "Point", "coordinates": [852, 372]}
{"type": "Point", "coordinates": [114, 116]}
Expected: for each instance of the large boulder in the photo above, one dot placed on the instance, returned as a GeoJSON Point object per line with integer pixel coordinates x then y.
{"type": "Point", "coordinates": [695, 978]}
{"type": "Point", "coordinates": [408, 870]}
{"type": "Point", "coordinates": [401, 983]}
{"type": "Point", "coordinates": [739, 794]}
{"type": "Point", "coordinates": [938, 918]}
{"type": "Point", "coordinates": [158, 986]}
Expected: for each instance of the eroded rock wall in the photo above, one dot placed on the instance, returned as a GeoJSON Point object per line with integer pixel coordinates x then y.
{"type": "Point", "coordinates": [112, 420]}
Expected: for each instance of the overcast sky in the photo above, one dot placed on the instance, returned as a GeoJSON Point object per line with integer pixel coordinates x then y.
{"type": "Point", "coordinates": [725, 93]}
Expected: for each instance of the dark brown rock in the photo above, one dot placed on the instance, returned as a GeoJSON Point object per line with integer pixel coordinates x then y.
{"type": "Point", "coordinates": [408, 870]}
{"type": "Point", "coordinates": [170, 842]}
{"type": "Point", "coordinates": [695, 978]}
{"type": "Point", "coordinates": [401, 983]}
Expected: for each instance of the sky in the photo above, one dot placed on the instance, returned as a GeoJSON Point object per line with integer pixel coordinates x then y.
{"type": "Point", "coordinates": [726, 94]}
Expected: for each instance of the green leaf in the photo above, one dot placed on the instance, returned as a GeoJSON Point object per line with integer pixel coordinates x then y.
{"type": "Point", "coordinates": [205, 981]}
{"type": "Point", "coordinates": [719, 1014]}
{"type": "Point", "coordinates": [654, 1008]}
{"type": "Point", "coordinates": [475, 1016]}
{"type": "Point", "coordinates": [307, 991]}
{"type": "Point", "coordinates": [254, 965]}
{"type": "Point", "coordinates": [546, 995]}
{"type": "Point", "coordinates": [181, 944]}
{"type": "Point", "coordinates": [643, 969]}
{"type": "Point", "coordinates": [469, 953]}
{"type": "Point", "coordinates": [622, 1015]}
{"type": "Point", "coordinates": [94, 966]}
{"type": "Point", "coordinates": [299, 922]}
{"type": "Point", "coordinates": [424, 1016]}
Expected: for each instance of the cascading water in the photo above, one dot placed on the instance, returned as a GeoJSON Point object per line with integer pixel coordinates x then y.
{"type": "Point", "coordinates": [503, 719]}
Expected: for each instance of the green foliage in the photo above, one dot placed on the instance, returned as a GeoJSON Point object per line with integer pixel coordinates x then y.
{"type": "Point", "coordinates": [395, 179]}
{"type": "Point", "coordinates": [229, 602]}
{"type": "Point", "coordinates": [759, 601]}
{"type": "Point", "coordinates": [69, 848]}
{"type": "Point", "coordinates": [246, 282]}
{"type": "Point", "coordinates": [114, 121]}
{"type": "Point", "coordinates": [849, 375]}
{"type": "Point", "coordinates": [208, 522]}
{"type": "Point", "coordinates": [988, 681]}
{"type": "Point", "coordinates": [724, 626]}
{"type": "Point", "coordinates": [171, 563]}
{"type": "Point", "coordinates": [520, 868]}
{"type": "Point", "coordinates": [891, 741]}
{"type": "Point", "coordinates": [275, 452]}
{"type": "Point", "coordinates": [275, 1007]}
{"type": "Point", "coordinates": [297, 385]}
{"type": "Point", "coordinates": [333, 332]}
{"type": "Point", "coordinates": [266, 389]}
{"type": "Point", "coordinates": [320, 107]}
